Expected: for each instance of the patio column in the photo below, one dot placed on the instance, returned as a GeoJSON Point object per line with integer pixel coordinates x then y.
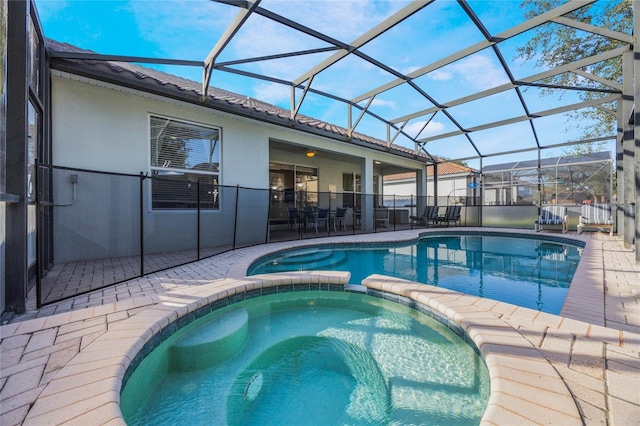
{"type": "Point", "coordinates": [366, 181]}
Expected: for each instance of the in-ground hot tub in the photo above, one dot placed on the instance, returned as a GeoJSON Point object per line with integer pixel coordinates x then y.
{"type": "Point", "coordinates": [312, 357]}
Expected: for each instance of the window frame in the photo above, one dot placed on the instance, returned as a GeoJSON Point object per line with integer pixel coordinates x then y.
{"type": "Point", "coordinates": [159, 170]}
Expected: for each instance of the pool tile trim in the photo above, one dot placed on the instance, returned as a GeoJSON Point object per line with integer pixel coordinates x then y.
{"type": "Point", "coordinates": [599, 364]}
{"type": "Point", "coordinates": [88, 387]}
{"type": "Point", "coordinates": [507, 354]}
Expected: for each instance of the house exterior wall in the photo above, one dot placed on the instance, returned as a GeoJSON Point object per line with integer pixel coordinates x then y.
{"type": "Point", "coordinates": [97, 126]}
{"type": "Point", "coordinates": [456, 185]}
{"type": "Point", "coordinates": [402, 187]}
{"type": "Point", "coordinates": [450, 187]}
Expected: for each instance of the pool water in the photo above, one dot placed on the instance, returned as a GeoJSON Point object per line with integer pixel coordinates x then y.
{"type": "Point", "coordinates": [533, 273]}
{"type": "Point", "coordinates": [310, 358]}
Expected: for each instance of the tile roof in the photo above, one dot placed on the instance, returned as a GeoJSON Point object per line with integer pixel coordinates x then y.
{"type": "Point", "coordinates": [443, 170]}
{"type": "Point", "coordinates": [148, 79]}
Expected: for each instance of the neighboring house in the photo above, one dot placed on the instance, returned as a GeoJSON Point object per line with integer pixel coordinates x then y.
{"type": "Point", "coordinates": [453, 184]}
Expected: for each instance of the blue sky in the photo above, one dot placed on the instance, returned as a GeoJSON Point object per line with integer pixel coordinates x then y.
{"type": "Point", "coordinates": [189, 29]}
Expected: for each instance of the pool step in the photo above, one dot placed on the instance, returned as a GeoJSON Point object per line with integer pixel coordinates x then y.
{"type": "Point", "coordinates": [335, 258]}
{"type": "Point", "coordinates": [306, 256]}
{"type": "Point", "coordinates": [214, 341]}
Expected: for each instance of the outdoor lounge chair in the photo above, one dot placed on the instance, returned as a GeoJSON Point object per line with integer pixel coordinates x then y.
{"type": "Point", "coordinates": [452, 214]}
{"type": "Point", "coordinates": [552, 215]}
{"type": "Point", "coordinates": [430, 215]}
{"type": "Point", "coordinates": [596, 216]}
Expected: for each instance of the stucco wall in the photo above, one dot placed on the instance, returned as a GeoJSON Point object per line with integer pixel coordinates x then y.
{"type": "Point", "coordinates": [100, 127]}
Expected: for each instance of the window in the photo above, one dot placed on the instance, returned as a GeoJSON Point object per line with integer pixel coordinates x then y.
{"type": "Point", "coordinates": [185, 158]}
{"type": "Point", "coordinates": [352, 187]}
{"type": "Point", "coordinates": [293, 184]}
{"type": "Point", "coordinates": [351, 182]}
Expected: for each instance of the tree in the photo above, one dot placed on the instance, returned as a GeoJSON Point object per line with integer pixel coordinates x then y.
{"type": "Point", "coordinates": [554, 45]}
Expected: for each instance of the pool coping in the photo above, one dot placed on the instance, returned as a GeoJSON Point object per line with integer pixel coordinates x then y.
{"type": "Point", "coordinates": [586, 279]}
{"type": "Point", "coordinates": [82, 378]}
{"type": "Point", "coordinates": [87, 389]}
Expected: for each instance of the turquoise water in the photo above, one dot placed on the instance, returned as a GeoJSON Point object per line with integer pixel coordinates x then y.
{"type": "Point", "coordinates": [527, 272]}
{"type": "Point", "coordinates": [310, 358]}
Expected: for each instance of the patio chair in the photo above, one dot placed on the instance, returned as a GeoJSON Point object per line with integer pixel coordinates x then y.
{"type": "Point", "coordinates": [552, 215]}
{"type": "Point", "coordinates": [294, 217]}
{"type": "Point", "coordinates": [596, 216]}
{"type": "Point", "coordinates": [309, 214]}
{"type": "Point", "coordinates": [451, 214]}
{"type": "Point", "coordinates": [322, 216]}
{"type": "Point", "coordinates": [430, 215]}
{"type": "Point", "coordinates": [382, 217]}
{"type": "Point", "coordinates": [339, 219]}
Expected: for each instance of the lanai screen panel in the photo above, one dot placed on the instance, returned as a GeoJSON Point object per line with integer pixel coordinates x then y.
{"type": "Point", "coordinates": [401, 63]}
{"type": "Point", "coordinates": [568, 180]}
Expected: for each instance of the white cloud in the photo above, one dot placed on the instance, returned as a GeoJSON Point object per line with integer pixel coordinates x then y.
{"type": "Point", "coordinates": [343, 20]}
{"type": "Point", "coordinates": [409, 70]}
{"type": "Point", "coordinates": [189, 29]}
{"type": "Point", "coordinates": [477, 70]}
{"type": "Point", "coordinates": [433, 128]}
{"type": "Point", "coordinates": [383, 103]}
{"type": "Point", "coordinates": [272, 93]}
{"type": "Point", "coordinates": [439, 75]}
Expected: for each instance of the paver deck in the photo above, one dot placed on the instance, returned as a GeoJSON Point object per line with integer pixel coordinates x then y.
{"type": "Point", "coordinates": [63, 364]}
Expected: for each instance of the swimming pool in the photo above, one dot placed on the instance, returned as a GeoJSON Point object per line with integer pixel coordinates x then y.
{"type": "Point", "coordinates": [311, 357]}
{"type": "Point", "coordinates": [530, 272]}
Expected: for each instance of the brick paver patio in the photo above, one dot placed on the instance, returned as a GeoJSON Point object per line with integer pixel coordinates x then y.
{"type": "Point", "coordinates": [64, 363]}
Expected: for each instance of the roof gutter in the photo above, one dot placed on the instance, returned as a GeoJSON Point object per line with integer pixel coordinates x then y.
{"type": "Point", "coordinates": [191, 97]}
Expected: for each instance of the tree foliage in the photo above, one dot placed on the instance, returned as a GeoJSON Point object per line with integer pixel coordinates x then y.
{"type": "Point", "coordinates": [554, 45]}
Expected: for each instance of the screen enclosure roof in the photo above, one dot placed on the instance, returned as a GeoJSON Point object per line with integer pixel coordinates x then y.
{"type": "Point", "coordinates": [434, 79]}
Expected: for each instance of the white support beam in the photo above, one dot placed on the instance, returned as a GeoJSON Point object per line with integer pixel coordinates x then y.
{"type": "Point", "coordinates": [572, 67]}
{"type": "Point", "coordinates": [391, 140]}
{"type": "Point", "coordinates": [364, 110]}
{"type": "Point", "coordinates": [518, 29]}
{"type": "Point", "coordinates": [613, 53]}
{"type": "Point", "coordinates": [295, 108]}
{"type": "Point", "coordinates": [522, 118]}
{"type": "Point", "coordinates": [598, 79]}
{"type": "Point", "coordinates": [625, 38]}
{"type": "Point", "coordinates": [607, 110]}
{"type": "Point", "coordinates": [240, 18]}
